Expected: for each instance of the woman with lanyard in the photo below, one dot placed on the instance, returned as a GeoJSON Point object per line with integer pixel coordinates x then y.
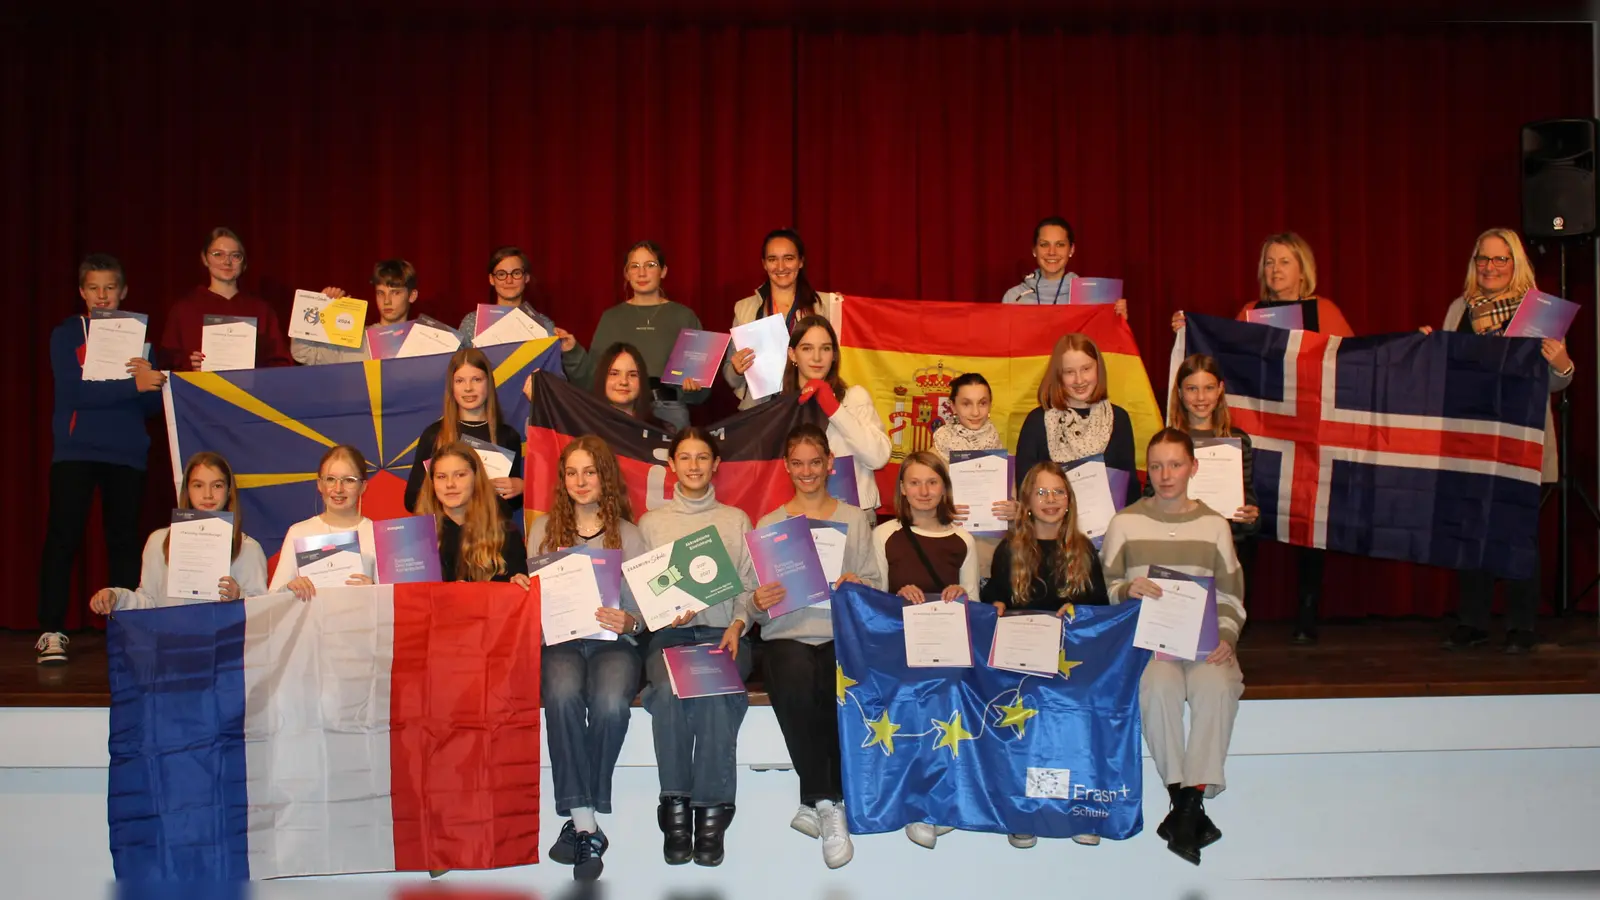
{"type": "Point", "coordinates": [1075, 419]}
{"type": "Point", "coordinates": [786, 293]}
{"type": "Point", "coordinates": [1498, 279]}
{"type": "Point", "coordinates": [1051, 284]}
{"type": "Point", "coordinates": [651, 322]}
{"type": "Point", "coordinates": [1287, 274]}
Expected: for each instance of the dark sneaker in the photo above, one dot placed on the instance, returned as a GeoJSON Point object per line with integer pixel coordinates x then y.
{"type": "Point", "coordinates": [52, 647]}
{"type": "Point", "coordinates": [587, 865]}
{"type": "Point", "coordinates": [1520, 640]}
{"type": "Point", "coordinates": [565, 849]}
{"type": "Point", "coordinates": [1463, 637]}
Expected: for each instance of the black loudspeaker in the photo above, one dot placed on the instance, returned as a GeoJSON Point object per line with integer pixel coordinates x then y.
{"type": "Point", "coordinates": [1558, 178]}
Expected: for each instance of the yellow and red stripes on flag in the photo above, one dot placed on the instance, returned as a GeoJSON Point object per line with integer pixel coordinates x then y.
{"type": "Point", "coordinates": [906, 353]}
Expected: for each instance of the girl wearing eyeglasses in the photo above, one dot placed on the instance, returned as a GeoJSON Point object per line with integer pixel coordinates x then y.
{"type": "Point", "coordinates": [1045, 564]}
{"type": "Point", "coordinates": [1498, 278]}
{"type": "Point", "coordinates": [1287, 273]}
{"type": "Point", "coordinates": [224, 259]}
{"type": "Point", "coordinates": [341, 480]}
{"type": "Point", "coordinates": [651, 322]}
{"type": "Point", "coordinates": [786, 293]}
{"type": "Point", "coordinates": [510, 276]}
{"type": "Point", "coordinates": [471, 408]}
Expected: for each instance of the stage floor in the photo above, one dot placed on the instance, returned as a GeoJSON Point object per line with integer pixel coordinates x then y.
{"type": "Point", "coordinates": [1374, 658]}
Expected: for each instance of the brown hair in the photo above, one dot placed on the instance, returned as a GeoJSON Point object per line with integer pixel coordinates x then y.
{"type": "Point", "coordinates": [395, 273]}
{"type": "Point", "coordinates": [1051, 394]}
{"type": "Point", "coordinates": [806, 433]}
{"type": "Point", "coordinates": [222, 231]}
{"type": "Point", "coordinates": [1178, 414]}
{"type": "Point", "coordinates": [449, 431]}
{"type": "Point", "coordinates": [483, 534]}
{"type": "Point", "coordinates": [694, 433]}
{"type": "Point", "coordinates": [946, 510]}
{"type": "Point", "coordinates": [1302, 254]}
{"type": "Point", "coordinates": [101, 262]}
{"type": "Point", "coordinates": [561, 529]}
{"type": "Point", "coordinates": [215, 461]}
{"type": "Point", "coordinates": [1073, 563]}
{"type": "Point", "coordinates": [791, 372]}
{"type": "Point", "coordinates": [1171, 435]}
{"type": "Point", "coordinates": [643, 407]}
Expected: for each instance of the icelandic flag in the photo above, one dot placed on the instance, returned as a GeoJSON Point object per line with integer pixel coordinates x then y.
{"type": "Point", "coordinates": [1399, 446]}
{"type": "Point", "coordinates": [374, 729]}
{"type": "Point", "coordinates": [985, 749]}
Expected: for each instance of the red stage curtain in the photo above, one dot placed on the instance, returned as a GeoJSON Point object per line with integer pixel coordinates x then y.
{"type": "Point", "coordinates": [915, 162]}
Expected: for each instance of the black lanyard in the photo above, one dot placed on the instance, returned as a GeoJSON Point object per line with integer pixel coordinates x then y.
{"type": "Point", "coordinates": [1038, 281]}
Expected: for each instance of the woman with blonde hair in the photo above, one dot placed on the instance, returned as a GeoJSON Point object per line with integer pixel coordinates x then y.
{"type": "Point", "coordinates": [1075, 418]}
{"type": "Point", "coordinates": [1498, 279]}
{"type": "Point", "coordinates": [589, 684]}
{"type": "Point", "coordinates": [475, 541]}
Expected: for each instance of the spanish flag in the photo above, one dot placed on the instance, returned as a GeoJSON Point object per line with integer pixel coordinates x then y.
{"type": "Point", "coordinates": [906, 353]}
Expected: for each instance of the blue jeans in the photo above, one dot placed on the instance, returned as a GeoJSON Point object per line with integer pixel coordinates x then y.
{"type": "Point", "coordinates": [588, 688]}
{"type": "Point", "coordinates": [696, 740]}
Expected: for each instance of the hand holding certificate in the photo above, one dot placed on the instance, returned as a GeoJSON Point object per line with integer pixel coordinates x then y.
{"type": "Point", "coordinates": [937, 635]}
{"type": "Point", "coordinates": [784, 553]}
{"type": "Point", "coordinates": [569, 594]}
{"type": "Point", "coordinates": [228, 343]}
{"type": "Point", "coordinates": [329, 560]}
{"type": "Point", "coordinates": [979, 479]}
{"type": "Point", "coordinates": [326, 320]}
{"type": "Point", "coordinates": [768, 338]}
{"type": "Point", "coordinates": [114, 338]}
{"type": "Point", "coordinates": [199, 553]}
{"type": "Point", "coordinates": [513, 326]}
{"type": "Point", "coordinates": [1171, 623]}
{"type": "Point", "coordinates": [1219, 480]}
{"type": "Point", "coordinates": [690, 574]}
{"type": "Point", "coordinates": [1026, 643]}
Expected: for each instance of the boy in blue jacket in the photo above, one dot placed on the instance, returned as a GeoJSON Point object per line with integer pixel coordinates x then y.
{"type": "Point", "coordinates": [100, 441]}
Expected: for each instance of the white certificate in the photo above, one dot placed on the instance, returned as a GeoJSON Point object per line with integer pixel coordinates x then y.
{"type": "Point", "coordinates": [333, 570]}
{"type": "Point", "coordinates": [496, 460]}
{"type": "Point", "coordinates": [513, 328]}
{"type": "Point", "coordinates": [1219, 482]}
{"type": "Point", "coordinates": [978, 480]}
{"type": "Point", "coordinates": [659, 607]}
{"type": "Point", "coordinates": [1171, 623]}
{"type": "Point", "coordinates": [228, 344]}
{"type": "Point", "coordinates": [830, 538]}
{"type": "Point", "coordinates": [1027, 643]}
{"type": "Point", "coordinates": [113, 340]}
{"type": "Point", "coordinates": [936, 635]}
{"type": "Point", "coordinates": [769, 338]}
{"type": "Point", "coordinates": [425, 340]}
{"type": "Point", "coordinates": [199, 553]}
{"type": "Point", "coordinates": [1092, 490]}
{"type": "Point", "coordinates": [569, 594]}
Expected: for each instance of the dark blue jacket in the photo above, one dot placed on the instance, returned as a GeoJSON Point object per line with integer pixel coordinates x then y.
{"type": "Point", "coordinates": [95, 421]}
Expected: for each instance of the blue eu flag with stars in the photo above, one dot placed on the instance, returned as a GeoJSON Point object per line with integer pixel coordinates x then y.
{"type": "Point", "coordinates": [985, 749]}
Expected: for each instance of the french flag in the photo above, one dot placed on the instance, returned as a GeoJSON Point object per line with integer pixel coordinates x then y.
{"type": "Point", "coordinates": [371, 729]}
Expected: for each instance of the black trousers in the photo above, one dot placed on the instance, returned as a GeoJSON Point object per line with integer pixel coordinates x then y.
{"type": "Point", "coordinates": [1477, 598]}
{"type": "Point", "coordinates": [72, 487]}
{"type": "Point", "coordinates": [800, 681]}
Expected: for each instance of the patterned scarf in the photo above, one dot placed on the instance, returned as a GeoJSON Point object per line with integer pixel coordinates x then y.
{"type": "Point", "coordinates": [955, 436]}
{"type": "Point", "coordinates": [1072, 436]}
{"type": "Point", "coordinates": [1490, 316]}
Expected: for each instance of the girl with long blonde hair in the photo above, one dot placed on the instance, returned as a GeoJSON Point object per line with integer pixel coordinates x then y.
{"type": "Point", "coordinates": [475, 542]}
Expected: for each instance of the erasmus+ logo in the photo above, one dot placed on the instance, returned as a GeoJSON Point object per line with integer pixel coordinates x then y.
{"type": "Point", "coordinates": [1057, 784]}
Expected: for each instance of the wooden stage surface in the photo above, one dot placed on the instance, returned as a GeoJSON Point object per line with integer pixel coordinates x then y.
{"type": "Point", "coordinates": [1374, 658]}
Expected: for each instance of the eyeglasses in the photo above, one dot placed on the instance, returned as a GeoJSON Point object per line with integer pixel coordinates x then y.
{"type": "Point", "coordinates": [1499, 262]}
{"type": "Point", "coordinates": [332, 481]}
{"type": "Point", "coordinates": [509, 274]}
{"type": "Point", "coordinates": [650, 266]}
{"type": "Point", "coordinates": [230, 256]}
{"type": "Point", "coordinates": [1050, 493]}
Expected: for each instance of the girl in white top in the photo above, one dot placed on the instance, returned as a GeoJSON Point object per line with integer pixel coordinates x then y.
{"type": "Point", "coordinates": [207, 485]}
{"type": "Point", "coordinates": [854, 428]}
{"type": "Point", "coordinates": [341, 480]}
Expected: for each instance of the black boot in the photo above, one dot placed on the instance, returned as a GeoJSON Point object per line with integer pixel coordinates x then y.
{"type": "Point", "coordinates": [1184, 825]}
{"type": "Point", "coordinates": [1164, 830]}
{"type": "Point", "coordinates": [672, 814]}
{"type": "Point", "coordinates": [710, 824]}
{"type": "Point", "coordinates": [1305, 620]}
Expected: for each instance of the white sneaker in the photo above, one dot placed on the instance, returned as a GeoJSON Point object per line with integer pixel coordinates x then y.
{"type": "Point", "coordinates": [1022, 841]}
{"type": "Point", "coordinates": [836, 847]}
{"type": "Point", "coordinates": [1088, 840]}
{"type": "Point", "coordinates": [806, 822]}
{"type": "Point", "coordinates": [924, 835]}
{"type": "Point", "coordinates": [52, 647]}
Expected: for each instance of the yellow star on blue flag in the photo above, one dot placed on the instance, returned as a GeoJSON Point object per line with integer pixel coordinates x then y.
{"type": "Point", "coordinates": [1065, 666]}
{"type": "Point", "coordinates": [1016, 716]}
{"type": "Point", "coordinates": [951, 734]}
{"type": "Point", "coordinates": [842, 682]}
{"type": "Point", "coordinates": [883, 732]}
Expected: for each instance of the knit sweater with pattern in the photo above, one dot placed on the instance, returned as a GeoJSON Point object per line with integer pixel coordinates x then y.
{"type": "Point", "coordinates": [1197, 542]}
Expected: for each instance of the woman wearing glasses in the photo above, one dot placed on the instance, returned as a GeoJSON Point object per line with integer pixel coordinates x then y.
{"type": "Point", "coordinates": [651, 322]}
{"type": "Point", "coordinates": [341, 480]}
{"type": "Point", "coordinates": [786, 293]}
{"type": "Point", "coordinates": [224, 259]}
{"type": "Point", "coordinates": [1287, 273]}
{"type": "Point", "coordinates": [1498, 278]}
{"type": "Point", "coordinates": [510, 275]}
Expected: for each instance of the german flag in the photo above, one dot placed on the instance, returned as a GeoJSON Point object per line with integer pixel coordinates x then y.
{"type": "Point", "coordinates": [751, 475]}
{"type": "Point", "coordinates": [906, 353]}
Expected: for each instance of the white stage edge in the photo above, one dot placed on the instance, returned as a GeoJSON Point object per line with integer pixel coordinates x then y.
{"type": "Point", "coordinates": [1318, 789]}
